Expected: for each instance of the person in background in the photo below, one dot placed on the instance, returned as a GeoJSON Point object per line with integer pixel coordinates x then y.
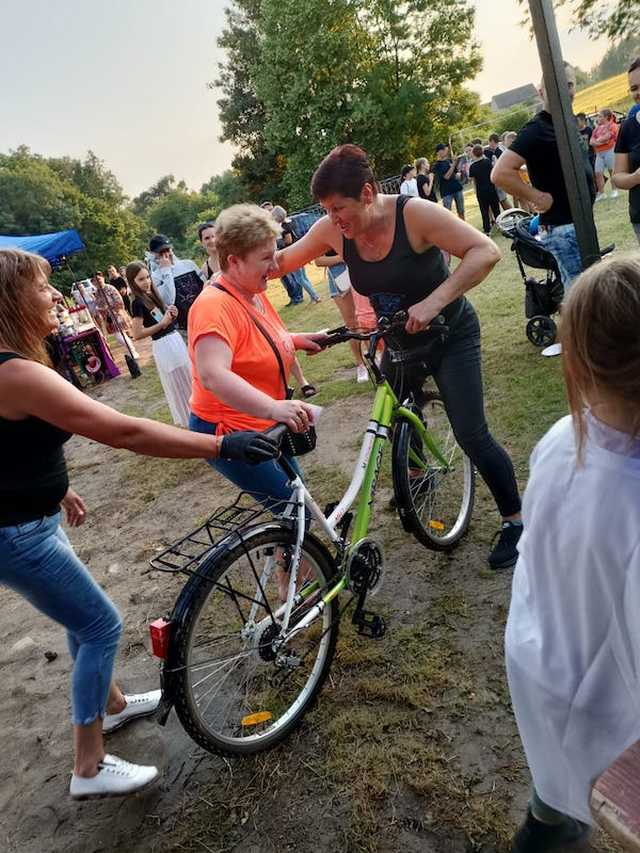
{"type": "Point", "coordinates": [39, 413]}
{"type": "Point", "coordinates": [299, 276]}
{"type": "Point", "coordinates": [177, 281]}
{"type": "Point", "coordinates": [626, 173]}
{"type": "Point", "coordinates": [408, 185]}
{"type": "Point", "coordinates": [120, 285]}
{"type": "Point", "coordinates": [84, 294]}
{"type": "Point", "coordinates": [480, 173]}
{"type": "Point", "coordinates": [449, 187]}
{"type": "Point", "coordinates": [425, 180]}
{"type": "Point", "coordinates": [464, 163]}
{"type": "Point", "coordinates": [492, 152]}
{"type": "Point", "coordinates": [585, 130]}
{"type": "Point", "coordinates": [110, 306]}
{"type": "Point", "coordinates": [207, 237]}
{"type": "Point", "coordinates": [342, 295]}
{"type": "Point", "coordinates": [153, 319]}
{"type": "Point", "coordinates": [603, 142]}
{"type": "Point", "coordinates": [537, 147]}
{"type": "Point", "coordinates": [572, 638]}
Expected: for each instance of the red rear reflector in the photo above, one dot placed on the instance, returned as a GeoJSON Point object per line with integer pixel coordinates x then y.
{"type": "Point", "coordinates": [160, 633]}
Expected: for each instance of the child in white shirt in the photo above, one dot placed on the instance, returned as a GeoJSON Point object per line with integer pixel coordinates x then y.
{"type": "Point", "coordinates": [573, 633]}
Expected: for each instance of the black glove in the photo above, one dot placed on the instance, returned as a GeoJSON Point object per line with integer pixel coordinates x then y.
{"type": "Point", "coordinates": [248, 446]}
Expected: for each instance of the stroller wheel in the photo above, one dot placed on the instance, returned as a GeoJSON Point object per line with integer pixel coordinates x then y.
{"type": "Point", "coordinates": [541, 330]}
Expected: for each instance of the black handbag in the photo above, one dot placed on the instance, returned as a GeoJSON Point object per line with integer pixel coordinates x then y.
{"type": "Point", "coordinates": [294, 443]}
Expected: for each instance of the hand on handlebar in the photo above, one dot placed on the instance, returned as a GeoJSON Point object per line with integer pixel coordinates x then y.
{"type": "Point", "coordinates": [248, 446]}
{"type": "Point", "coordinates": [312, 342]}
{"type": "Point", "coordinates": [297, 415]}
{"type": "Point", "coordinates": [420, 317]}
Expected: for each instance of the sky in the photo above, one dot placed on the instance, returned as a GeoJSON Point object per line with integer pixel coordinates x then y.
{"type": "Point", "coordinates": [128, 80]}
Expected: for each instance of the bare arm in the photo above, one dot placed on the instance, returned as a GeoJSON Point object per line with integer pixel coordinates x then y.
{"type": "Point", "coordinates": [39, 391]}
{"type": "Point", "coordinates": [213, 365]}
{"type": "Point", "coordinates": [506, 175]}
{"type": "Point", "coordinates": [622, 177]}
{"type": "Point", "coordinates": [328, 261]}
{"type": "Point", "coordinates": [139, 331]}
{"type": "Point", "coordinates": [478, 255]}
{"type": "Point", "coordinates": [321, 236]}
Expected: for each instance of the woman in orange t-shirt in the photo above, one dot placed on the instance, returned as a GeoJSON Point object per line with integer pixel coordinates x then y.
{"type": "Point", "coordinates": [237, 380]}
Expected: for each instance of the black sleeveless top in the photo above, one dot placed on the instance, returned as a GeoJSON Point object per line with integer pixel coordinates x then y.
{"type": "Point", "coordinates": [33, 471]}
{"type": "Point", "coordinates": [403, 277]}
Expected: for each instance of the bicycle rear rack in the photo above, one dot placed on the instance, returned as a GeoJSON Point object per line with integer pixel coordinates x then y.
{"type": "Point", "coordinates": [186, 554]}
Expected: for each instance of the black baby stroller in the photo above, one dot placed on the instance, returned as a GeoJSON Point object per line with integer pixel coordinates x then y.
{"type": "Point", "coordinates": [542, 296]}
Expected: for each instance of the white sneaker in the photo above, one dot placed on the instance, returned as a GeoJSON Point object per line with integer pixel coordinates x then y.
{"type": "Point", "coordinates": [553, 349]}
{"type": "Point", "coordinates": [600, 196]}
{"type": "Point", "coordinates": [115, 778]}
{"type": "Point", "coordinates": [138, 705]}
{"type": "Point", "coordinates": [361, 374]}
{"type": "Point", "coordinates": [614, 194]}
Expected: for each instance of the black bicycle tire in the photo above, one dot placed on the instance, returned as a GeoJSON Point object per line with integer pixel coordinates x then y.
{"type": "Point", "coordinates": [200, 592]}
{"type": "Point", "coordinates": [401, 488]}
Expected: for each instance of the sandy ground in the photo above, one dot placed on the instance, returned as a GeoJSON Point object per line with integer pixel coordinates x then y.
{"type": "Point", "coordinates": [288, 802]}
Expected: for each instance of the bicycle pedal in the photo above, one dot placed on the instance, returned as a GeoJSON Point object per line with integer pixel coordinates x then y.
{"type": "Point", "coordinates": [369, 624]}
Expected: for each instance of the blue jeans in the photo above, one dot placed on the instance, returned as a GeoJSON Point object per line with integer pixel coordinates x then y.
{"type": "Point", "coordinates": [294, 290]}
{"type": "Point", "coordinates": [562, 242]}
{"type": "Point", "coordinates": [266, 482]}
{"type": "Point", "coordinates": [458, 197]}
{"type": "Point", "coordinates": [38, 562]}
{"type": "Point", "coordinates": [301, 278]}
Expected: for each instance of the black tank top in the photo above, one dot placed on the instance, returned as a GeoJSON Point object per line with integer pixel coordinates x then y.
{"type": "Point", "coordinates": [33, 471]}
{"type": "Point", "coordinates": [403, 277]}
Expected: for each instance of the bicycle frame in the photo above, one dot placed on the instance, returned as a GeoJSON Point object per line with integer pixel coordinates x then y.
{"type": "Point", "coordinates": [386, 410]}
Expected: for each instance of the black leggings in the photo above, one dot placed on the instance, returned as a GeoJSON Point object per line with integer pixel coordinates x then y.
{"type": "Point", "coordinates": [457, 370]}
{"type": "Point", "coordinates": [488, 201]}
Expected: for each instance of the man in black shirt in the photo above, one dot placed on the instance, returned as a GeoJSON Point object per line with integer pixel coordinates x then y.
{"type": "Point", "coordinates": [480, 171]}
{"type": "Point", "coordinates": [536, 146]}
{"type": "Point", "coordinates": [449, 186]}
{"type": "Point", "coordinates": [626, 174]}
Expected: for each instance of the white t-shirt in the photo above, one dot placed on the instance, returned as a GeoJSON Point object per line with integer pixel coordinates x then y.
{"type": "Point", "coordinates": [409, 187]}
{"type": "Point", "coordinates": [573, 633]}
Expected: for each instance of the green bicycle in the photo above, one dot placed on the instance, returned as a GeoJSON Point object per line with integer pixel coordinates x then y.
{"type": "Point", "coordinates": [252, 636]}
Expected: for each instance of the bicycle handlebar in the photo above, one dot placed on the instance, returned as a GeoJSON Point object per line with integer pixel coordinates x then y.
{"type": "Point", "coordinates": [386, 326]}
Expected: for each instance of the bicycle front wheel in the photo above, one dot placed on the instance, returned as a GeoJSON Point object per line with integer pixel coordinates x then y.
{"type": "Point", "coordinates": [435, 501]}
{"type": "Point", "coordinates": [240, 688]}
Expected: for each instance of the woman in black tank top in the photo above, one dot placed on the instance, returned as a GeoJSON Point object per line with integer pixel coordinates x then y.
{"type": "Point", "coordinates": [393, 247]}
{"type": "Point", "coordinates": [39, 412]}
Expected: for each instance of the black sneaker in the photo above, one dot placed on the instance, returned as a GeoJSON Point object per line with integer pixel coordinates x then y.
{"type": "Point", "coordinates": [505, 553]}
{"type": "Point", "coordinates": [537, 837]}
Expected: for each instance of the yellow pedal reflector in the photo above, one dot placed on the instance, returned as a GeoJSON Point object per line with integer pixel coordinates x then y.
{"type": "Point", "coordinates": [256, 719]}
{"type": "Point", "coordinates": [436, 525]}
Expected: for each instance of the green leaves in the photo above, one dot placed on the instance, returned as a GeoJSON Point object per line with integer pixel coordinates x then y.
{"type": "Point", "coordinates": [306, 75]}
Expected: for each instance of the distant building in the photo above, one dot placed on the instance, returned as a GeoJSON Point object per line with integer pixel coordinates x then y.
{"type": "Point", "coordinates": [522, 95]}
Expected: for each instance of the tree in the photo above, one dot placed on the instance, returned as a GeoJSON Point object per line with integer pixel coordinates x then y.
{"type": "Point", "coordinates": [617, 19]}
{"type": "Point", "coordinates": [141, 204]}
{"type": "Point", "coordinates": [354, 71]}
{"type": "Point", "coordinates": [39, 195]}
{"type": "Point", "coordinates": [174, 213]}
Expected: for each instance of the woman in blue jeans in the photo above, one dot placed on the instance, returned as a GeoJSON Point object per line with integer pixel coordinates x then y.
{"type": "Point", "coordinates": [39, 412]}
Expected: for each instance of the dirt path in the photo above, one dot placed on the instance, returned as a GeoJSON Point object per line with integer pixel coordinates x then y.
{"type": "Point", "coordinates": [412, 746]}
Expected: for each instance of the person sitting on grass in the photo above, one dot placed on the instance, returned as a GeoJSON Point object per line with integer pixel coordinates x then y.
{"type": "Point", "coordinates": [572, 638]}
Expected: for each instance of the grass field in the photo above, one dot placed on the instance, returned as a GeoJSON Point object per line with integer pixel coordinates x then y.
{"type": "Point", "coordinates": [607, 93]}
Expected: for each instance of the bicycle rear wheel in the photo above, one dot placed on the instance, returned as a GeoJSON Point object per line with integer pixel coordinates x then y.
{"type": "Point", "coordinates": [239, 689]}
{"type": "Point", "coordinates": [434, 501]}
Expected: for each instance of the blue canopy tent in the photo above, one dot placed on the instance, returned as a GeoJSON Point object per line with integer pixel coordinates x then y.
{"type": "Point", "coordinates": [54, 247]}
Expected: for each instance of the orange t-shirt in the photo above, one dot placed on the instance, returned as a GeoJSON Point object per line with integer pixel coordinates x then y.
{"type": "Point", "coordinates": [215, 312]}
{"type": "Point", "coordinates": [613, 129]}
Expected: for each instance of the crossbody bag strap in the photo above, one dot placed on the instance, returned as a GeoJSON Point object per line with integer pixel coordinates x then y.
{"type": "Point", "coordinates": [283, 375]}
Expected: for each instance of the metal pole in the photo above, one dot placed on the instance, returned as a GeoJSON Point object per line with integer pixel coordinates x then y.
{"type": "Point", "coordinates": [571, 156]}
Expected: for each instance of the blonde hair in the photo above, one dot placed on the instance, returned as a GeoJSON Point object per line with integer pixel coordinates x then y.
{"type": "Point", "coordinates": [241, 228]}
{"type": "Point", "coordinates": [601, 341]}
{"type": "Point", "coordinates": [20, 321]}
